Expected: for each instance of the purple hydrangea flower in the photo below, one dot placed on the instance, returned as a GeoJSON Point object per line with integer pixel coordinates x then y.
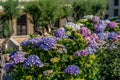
{"type": "Point", "coordinates": [99, 27]}
{"type": "Point", "coordinates": [8, 66]}
{"type": "Point", "coordinates": [72, 69]}
{"type": "Point", "coordinates": [94, 36]}
{"type": "Point", "coordinates": [93, 44]}
{"type": "Point", "coordinates": [18, 58]}
{"type": "Point", "coordinates": [112, 25]}
{"type": "Point", "coordinates": [117, 38]}
{"type": "Point", "coordinates": [95, 19]}
{"type": "Point", "coordinates": [84, 31]}
{"type": "Point", "coordinates": [47, 43]}
{"type": "Point", "coordinates": [31, 61]}
{"type": "Point", "coordinates": [92, 39]}
{"type": "Point", "coordinates": [82, 53]}
{"type": "Point", "coordinates": [60, 33]}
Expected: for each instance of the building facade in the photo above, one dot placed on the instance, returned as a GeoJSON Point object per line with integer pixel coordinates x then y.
{"type": "Point", "coordinates": [113, 8]}
{"type": "Point", "coordinates": [22, 24]}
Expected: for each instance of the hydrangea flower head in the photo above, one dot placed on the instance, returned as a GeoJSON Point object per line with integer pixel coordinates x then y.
{"type": "Point", "coordinates": [72, 69]}
{"type": "Point", "coordinates": [11, 55]}
{"type": "Point", "coordinates": [112, 25]}
{"type": "Point", "coordinates": [99, 27]}
{"type": "Point", "coordinates": [61, 48]}
{"type": "Point", "coordinates": [31, 61]}
{"type": "Point", "coordinates": [117, 38]}
{"type": "Point", "coordinates": [70, 24]}
{"type": "Point", "coordinates": [25, 43]}
{"type": "Point", "coordinates": [102, 35]}
{"type": "Point", "coordinates": [60, 33]}
{"type": "Point", "coordinates": [18, 58]}
{"type": "Point", "coordinates": [54, 60]}
{"type": "Point", "coordinates": [8, 66]}
{"type": "Point", "coordinates": [112, 35]}
{"type": "Point", "coordinates": [84, 31]}
{"type": "Point", "coordinates": [91, 50]}
{"type": "Point", "coordinates": [47, 43]}
{"type": "Point", "coordinates": [47, 72]}
{"type": "Point", "coordinates": [33, 42]}
{"type": "Point", "coordinates": [82, 53]}
{"type": "Point", "coordinates": [95, 19]}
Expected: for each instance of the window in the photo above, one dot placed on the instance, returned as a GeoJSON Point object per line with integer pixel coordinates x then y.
{"type": "Point", "coordinates": [21, 25]}
{"type": "Point", "coordinates": [115, 12]}
{"type": "Point", "coordinates": [116, 2]}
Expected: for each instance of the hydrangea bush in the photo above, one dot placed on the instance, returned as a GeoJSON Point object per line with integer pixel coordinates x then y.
{"type": "Point", "coordinates": [72, 53]}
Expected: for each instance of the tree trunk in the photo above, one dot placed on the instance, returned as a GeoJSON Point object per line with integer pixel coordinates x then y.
{"type": "Point", "coordinates": [44, 29]}
{"type": "Point", "coordinates": [102, 13]}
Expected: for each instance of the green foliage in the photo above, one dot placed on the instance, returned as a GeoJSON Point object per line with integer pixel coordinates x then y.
{"type": "Point", "coordinates": [88, 7]}
{"type": "Point", "coordinates": [87, 23]}
{"type": "Point", "coordinates": [109, 62]}
{"type": "Point", "coordinates": [11, 11]}
{"type": "Point", "coordinates": [8, 51]}
{"type": "Point", "coordinates": [32, 9]}
{"type": "Point", "coordinates": [6, 30]}
{"type": "Point", "coordinates": [33, 35]}
{"type": "Point", "coordinates": [55, 62]}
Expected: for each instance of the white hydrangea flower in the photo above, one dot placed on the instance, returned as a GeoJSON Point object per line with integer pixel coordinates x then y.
{"type": "Point", "coordinates": [88, 17]}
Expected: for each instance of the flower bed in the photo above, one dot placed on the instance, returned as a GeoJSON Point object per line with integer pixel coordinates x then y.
{"type": "Point", "coordinates": [68, 55]}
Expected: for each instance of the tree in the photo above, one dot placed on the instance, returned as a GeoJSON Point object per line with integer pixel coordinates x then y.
{"type": "Point", "coordinates": [11, 11]}
{"type": "Point", "coordinates": [33, 10]}
{"type": "Point", "coordinates": [88, 7]}
{"type": "Point", "coordinates": [44, 13]}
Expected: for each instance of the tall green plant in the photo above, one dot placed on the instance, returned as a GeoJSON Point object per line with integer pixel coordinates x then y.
{"type": "Point", "coordinates": [11, 11]}
{"type": "Point", "coordinates": [88, 7]}
{"type": "Point", "coordinates": [32, 9]}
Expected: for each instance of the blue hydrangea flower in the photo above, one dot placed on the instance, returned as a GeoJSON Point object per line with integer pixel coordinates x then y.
{"type": "Point", "coordinates": [99, 27]}
{"type": "Point", "coordinates": [35, 41]}
{"type": "Point", "coordinates": [101, 35]}
{"type": "Point", "coordinates": [91, 50]}
{"type": "Point", "coordinates": [31, 61]}
{"type": "Point", "coordinates": [8, 66]}
{"type": "Point", "coordinates": [112, 35]}
{"type": "Point", "coordinates": [25, 43]}
{"type": "Point", "coordinates": [60, 33]}
{"type": "Point", "coordinates": [82, 53]}
{"type": "Point", "coordinates": [47, 43]}
{"type": "Point", "coordinates": [11, 55]}
{"type": "Point", "coordinates": [94, 44]}
{"type": "Point", "coordinates": [72, 69]}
